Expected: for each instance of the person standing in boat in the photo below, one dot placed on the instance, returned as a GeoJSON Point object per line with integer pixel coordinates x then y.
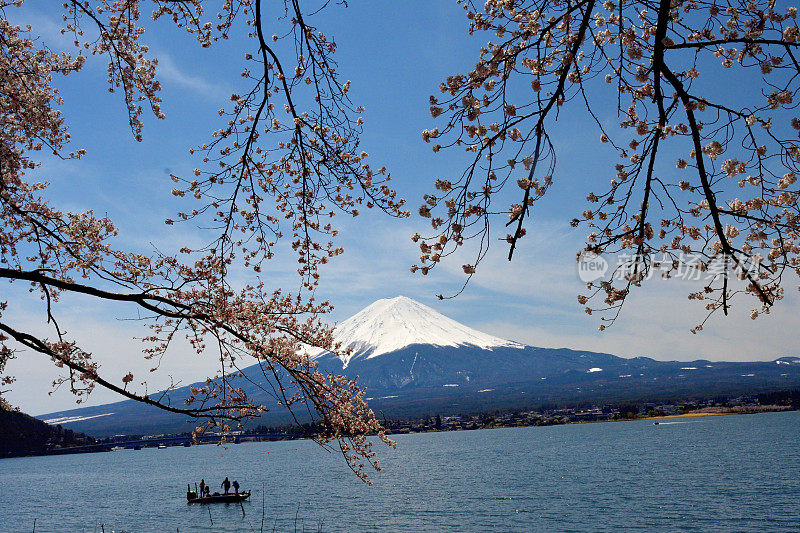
{"type": "Point", "coordinates": [236, 487]}
{"type": "Point", "coordinates": [226, 485]}
{"type": "Point", "coordinates": [202, 487]}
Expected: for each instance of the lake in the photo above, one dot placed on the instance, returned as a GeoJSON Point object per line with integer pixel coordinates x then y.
{"type": "Point", "coordinates": [694, 474]}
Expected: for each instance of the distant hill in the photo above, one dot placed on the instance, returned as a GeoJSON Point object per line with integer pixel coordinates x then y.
{"type": "Point", "coordinates": [21, 434]}
{"type": "Point", "coordinates": [414, 361]}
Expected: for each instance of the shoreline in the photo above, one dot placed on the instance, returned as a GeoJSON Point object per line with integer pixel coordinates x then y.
{"type": "Point", "coordinates": [696, 415]}
{"type": "Point", "coordinates": [180, 440]}
{"type": "Point", "coordinates": [722, 412]}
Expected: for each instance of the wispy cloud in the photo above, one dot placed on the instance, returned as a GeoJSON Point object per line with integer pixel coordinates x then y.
{"type": "Point", "coordinates": [172, 73]}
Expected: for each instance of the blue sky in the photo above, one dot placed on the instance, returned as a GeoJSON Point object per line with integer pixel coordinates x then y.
{"type": "Point", "coordinates": [396, 54]}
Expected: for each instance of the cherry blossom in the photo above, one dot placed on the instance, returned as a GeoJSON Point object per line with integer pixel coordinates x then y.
{"type": "Point", "coordinates": [650, 59]}
{"type": "Point", "coordinates": [285, 161]}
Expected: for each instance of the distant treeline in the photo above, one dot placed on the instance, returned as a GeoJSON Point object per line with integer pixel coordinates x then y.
{"type": "Point", "coordinates": [784, 397]}
{"type": "Point", "coordinates": [21, 435]}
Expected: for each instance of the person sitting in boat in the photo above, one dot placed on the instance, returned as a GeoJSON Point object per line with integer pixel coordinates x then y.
{"type": "Point", "coordinates": [226, 485]}
{"type": "Point", "coordinates": [236, 487]}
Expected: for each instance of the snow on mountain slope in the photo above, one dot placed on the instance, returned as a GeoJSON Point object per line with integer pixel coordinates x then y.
{"type": "Point", "coordinates": [394, 323]}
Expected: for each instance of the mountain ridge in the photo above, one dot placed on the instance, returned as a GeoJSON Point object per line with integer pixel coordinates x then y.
{"type": "Point", "coordinates": [414, 361]}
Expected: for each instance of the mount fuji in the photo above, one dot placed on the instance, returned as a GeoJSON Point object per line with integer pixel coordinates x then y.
{"type": "Point", "coordinates": [414, 361]}
{"type": "Point", "coordinates": [393, 324]}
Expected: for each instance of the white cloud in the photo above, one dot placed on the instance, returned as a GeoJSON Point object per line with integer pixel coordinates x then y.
{"type": "Point", "coordinates": [171, 73]}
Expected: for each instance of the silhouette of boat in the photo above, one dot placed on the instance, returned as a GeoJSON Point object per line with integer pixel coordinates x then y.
{"type": "Point", "coordinates": [231, 497]}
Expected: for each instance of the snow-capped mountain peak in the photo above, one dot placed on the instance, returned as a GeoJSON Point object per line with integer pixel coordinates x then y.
{"type": "Point", "coordinates": [394, 323]}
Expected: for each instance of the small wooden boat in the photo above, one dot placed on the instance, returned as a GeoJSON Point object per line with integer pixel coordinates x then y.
{"type": "Point", "coordinates": [231, 497]}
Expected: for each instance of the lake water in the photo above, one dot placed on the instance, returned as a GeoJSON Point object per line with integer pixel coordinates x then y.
{"type": "Point", "coordinates": [721, 473]}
